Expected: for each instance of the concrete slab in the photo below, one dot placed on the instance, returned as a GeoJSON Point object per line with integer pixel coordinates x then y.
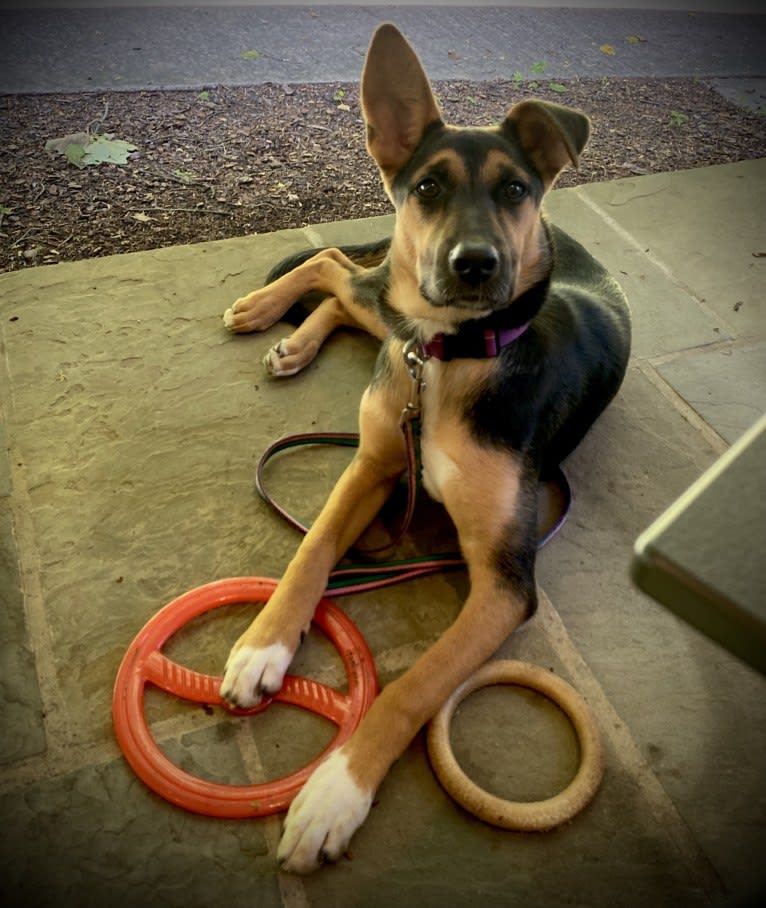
{"type": "Point", "coordinates": [20, 702]}
{"type": "Point", "coordinates": [726, 386]}
{"type": "Point", "coordinates": [713, 230]}
{"type": "Point", "coordinates": [133, 424]}
{"type": "Point", "coordinates": [19, 688]}
{"type": "Point", "coordinates": [749, 93]}
{"type": "Point", "coordinates": [93, 837]}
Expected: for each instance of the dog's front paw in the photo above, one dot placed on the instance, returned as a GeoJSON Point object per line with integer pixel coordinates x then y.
{"type": "Point", "coordinates": [253, 673]}
{"type": "Point", "coordinates": [328, 810]}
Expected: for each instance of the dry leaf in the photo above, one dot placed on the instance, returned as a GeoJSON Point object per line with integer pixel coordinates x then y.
{"type": "Point", "coordinates": [140, 216]}
{"type": "Point", "coordinates": [608, 50]}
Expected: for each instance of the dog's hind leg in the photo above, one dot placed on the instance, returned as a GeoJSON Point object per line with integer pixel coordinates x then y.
{"type": "Point", "coordinates": [295, 352]}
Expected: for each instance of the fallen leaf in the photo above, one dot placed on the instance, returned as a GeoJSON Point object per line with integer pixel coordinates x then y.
{"type": "Point", "coordinates": [557, 86]}
{"type": "Point", "coordinates": [343, 107]}
{"type": "Point", "coordinates": [608, 50]}
{"type": "Point", "coordinates": [60, 145]}
{"type": "Point", "coordinates": [251, 54]}
{"type": "Point", "coordinates": [635, 39]}
{"type": "Point", "coordinates": [74, 154]}
{"type": "Point", "coordinates": [83, 150]}
{"type": "Point", "coordinates": [140, 216]}
{"type": "Point", "coordinates": [106, 149]}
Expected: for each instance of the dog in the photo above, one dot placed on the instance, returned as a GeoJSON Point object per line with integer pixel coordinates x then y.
{"type": "Point", "coordinates": [520, 340]}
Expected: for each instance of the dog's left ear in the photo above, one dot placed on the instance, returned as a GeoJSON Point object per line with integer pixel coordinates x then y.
{"type": "Point", "coordinates": [551, 135]}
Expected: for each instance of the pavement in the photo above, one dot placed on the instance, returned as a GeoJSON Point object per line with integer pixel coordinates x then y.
{"type": "Point", "coordinates": [132, 423]}
{"type": "Point", "coordinates": [110, 47]}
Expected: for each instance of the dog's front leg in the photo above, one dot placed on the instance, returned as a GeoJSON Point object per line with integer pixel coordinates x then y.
{"type": "Point", "coordinates": [327, 271]}
{"type": "Point", "coordinates": [259, 659]}
{"type": "Point", "coordinates": [337, 798]}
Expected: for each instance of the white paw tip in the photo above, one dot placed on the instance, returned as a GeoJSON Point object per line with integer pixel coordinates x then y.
{"type": "Point", "coordinates": [254, 672]}
{"type": "Point", "coordinates": [273, 361]}
{"type": "Point", "coordinates": [323, 817]}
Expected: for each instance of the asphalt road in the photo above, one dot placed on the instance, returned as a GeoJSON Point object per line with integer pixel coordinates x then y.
{"type": "Point", "coordinates": [68, 50]}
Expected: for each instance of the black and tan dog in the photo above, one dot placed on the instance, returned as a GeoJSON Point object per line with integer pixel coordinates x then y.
{"type": "Point", "coordinates": [525, 340]}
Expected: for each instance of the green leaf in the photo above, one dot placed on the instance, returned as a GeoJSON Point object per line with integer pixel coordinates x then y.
{"type": "Point", "coordinates": [84, 150]}
{"type": "Point", "coordinates": [538, 67]}
{"type": "Point", "coordinates": [60, 145]}
{"type": "Point", "coordinates": [74, 154]}
{"type": "Point", "coordinates": [107, 150]}
{"type": "Point", "coordinates": [557, 86]}
{"type": "Point", "coordinates": [203, 96]}
{"type": "Point", "coordinates": [251, 54]}
{"type": "Point", "coordinates": [339, 95]}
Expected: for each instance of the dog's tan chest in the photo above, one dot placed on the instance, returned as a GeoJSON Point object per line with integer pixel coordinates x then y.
{"type": "Point", "coordinates": [442, 425]}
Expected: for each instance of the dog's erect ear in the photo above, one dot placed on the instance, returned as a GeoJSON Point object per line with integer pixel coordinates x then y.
{"type": "Point", "coordinates": [551, 135]}
{"type": "Point", "coordinates": [397, 101]}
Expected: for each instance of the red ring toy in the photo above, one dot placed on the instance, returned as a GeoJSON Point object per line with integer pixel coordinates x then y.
{"type": "Point", "coordinates": [144, 664]}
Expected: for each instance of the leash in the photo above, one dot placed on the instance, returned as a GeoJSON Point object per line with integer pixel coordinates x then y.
{"type": "Point", "coordinates": [363, 577]}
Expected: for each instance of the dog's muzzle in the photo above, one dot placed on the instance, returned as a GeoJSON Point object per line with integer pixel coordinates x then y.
{"type": "Point", "coordinates": [472, 275]}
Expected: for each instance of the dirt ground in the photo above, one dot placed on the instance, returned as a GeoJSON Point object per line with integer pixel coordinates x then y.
{"type": "Point", "coordinates": [234, 161]}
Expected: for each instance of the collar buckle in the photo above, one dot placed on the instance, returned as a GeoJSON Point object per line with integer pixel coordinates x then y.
{"type": "Point", "coordinates": [415, 358]}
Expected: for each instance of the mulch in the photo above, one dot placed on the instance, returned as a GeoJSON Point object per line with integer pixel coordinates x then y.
{"type": "Point", "coordinates": [240, 160]}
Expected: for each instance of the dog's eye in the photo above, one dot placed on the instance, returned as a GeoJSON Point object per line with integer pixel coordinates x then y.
{"type": "Point", "coordinates": [428, 189]}
{"type": "Point", "coordinates": [516, 190]}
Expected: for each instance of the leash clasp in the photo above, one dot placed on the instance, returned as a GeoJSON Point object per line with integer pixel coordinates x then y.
{"type": "Point", "coordinates": [414, 359]}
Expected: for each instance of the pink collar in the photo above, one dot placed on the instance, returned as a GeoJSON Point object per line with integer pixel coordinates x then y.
{"type": "Point", "coordinates": [472, 341]}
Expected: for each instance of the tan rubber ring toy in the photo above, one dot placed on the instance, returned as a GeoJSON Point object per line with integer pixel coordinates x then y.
{"type": "Point", "coordinates": [523, 816]}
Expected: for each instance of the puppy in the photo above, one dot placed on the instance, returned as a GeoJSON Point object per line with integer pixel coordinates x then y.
{"type": "Point", "coordinates": [516, 340]}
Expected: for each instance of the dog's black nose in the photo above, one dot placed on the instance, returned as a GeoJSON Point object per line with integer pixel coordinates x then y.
{"type": "Point", "coordinates": [474, 263]}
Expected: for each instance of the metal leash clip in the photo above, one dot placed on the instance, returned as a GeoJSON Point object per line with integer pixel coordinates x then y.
{"type": "Point", "coordinates": [415, 360]}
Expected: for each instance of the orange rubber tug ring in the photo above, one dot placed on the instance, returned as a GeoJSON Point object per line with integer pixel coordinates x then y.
{"type": "Point", "coordinates": [144, 664]}
{"type": "Point", "coordinates": [532, 816]}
